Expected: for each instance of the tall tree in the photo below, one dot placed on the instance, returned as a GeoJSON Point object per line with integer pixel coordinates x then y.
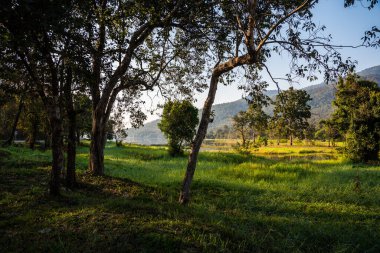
{"type": "Point", "coordinates": [35, 31]}
{"type": "Point", "coordinates": [291, 106]}
{"type": "Point", "coordinates": [357, 111]}
{"type": "Point", "coordinates": [130, 44]}
{"type": "Point", "coordinates": [253, 30]}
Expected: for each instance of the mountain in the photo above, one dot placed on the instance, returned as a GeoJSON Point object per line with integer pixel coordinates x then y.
{"type": "Point", "coordinates": [321, 107]}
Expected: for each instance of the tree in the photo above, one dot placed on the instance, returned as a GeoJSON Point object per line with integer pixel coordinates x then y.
{"type": "Point", "coordinates": [33, 120]}
{"type": "Point", "coordinates": [179, 119]}
{"type": "Point", "coordinates": [252, 31]}
{"type": "Point", "coordinates": [130, 46]}
{"type": "Point", "coordinates": [328, 130]}
{"type": "Point", "coordinates": [277, 126]}
{"type": "Point", "coordinates": [116, 125]}
{"type": "Point", "coordinates": [241, 124]}
{"type": "Point", "coordinates": [357, 112]}
{"type": "Point", "coordinates": [258, 120]}
{"type": "Point", "coordinates": [292, 109]}
{"type": "Point", "coordinates": [35, 35]}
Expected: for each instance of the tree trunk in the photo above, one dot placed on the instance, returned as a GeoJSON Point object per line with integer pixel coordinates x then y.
{"type": "Point", "coordinates": [33, 134]}
{"type": "Point", "coordinates": [15, 122]}
{"type": "Point", "coordinates": [47, 140]}
{"type": "Point", "coordinates": [243, 138]}
{"type": "Point", "coordinates": [219, 69]}
{"type": "Point", "coordinates": [57, 150]}
{"type": "Point", "coordinates": [291, 140]}
{"type": "Point", "coordinates": [71, 139]}
{"type": "Point", "coordinates": [98, 136]}
{"type": "Point", "coordinates": [71, 153]}
{"type": "Point", "coordinates": [77, 137]}
{"type": "Point", "coordinates": [184, 197]}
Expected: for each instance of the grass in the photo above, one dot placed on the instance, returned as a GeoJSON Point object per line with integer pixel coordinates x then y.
{"type": "Point", "coordinates": [280, 200]}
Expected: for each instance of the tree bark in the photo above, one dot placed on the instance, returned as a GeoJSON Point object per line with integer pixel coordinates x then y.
{"type": "Point", "coordinates": [47, 140]}
{"type": "Point", "coordinates": [98, 137]}
{"type": "Point", "coordinates": [15, 122]}
{"type": "Point", "coordinates": [78, 137]}
{"type": "Point", "coordinates": [71, 138]}
{"type": "Point", "coordinates": [57, 150]}
{"type": "Point", "coordinates": [219, 69]}
{"type": "Point", "coordinates": [33, 134]}
{"type": "Point", "coordinates": [184, 197]}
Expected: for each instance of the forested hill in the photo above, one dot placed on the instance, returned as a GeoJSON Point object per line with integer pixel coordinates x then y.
{"type": "Point", "coordinates": [321, 105]}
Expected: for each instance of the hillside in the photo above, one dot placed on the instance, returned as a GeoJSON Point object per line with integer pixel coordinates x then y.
{"type": "Point", "coordinates": [322, 96]}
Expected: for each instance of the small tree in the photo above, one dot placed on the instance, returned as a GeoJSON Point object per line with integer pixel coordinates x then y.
{"type": "Point", "coordinates": [117, 128]}
{"type": "Point", "coordinates": [179, 119]}
{"type": "Point", "coordinates": [291, 108]}
{"type": "Point", "coordinates": [241, 124]}
{"type": "Point", "coordinates": [258, 120]}
{"type": "Point", "coordinates": [328, 130]}
{"type": "Point", "coordinates": [358, 114]}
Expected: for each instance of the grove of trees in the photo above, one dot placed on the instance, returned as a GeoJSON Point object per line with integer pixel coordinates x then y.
{"type": "Point", "coordinates": [69, 66]}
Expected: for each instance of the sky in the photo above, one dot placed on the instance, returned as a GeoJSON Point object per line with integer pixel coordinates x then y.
{"type": "Point", "coordinates": [346, 25]}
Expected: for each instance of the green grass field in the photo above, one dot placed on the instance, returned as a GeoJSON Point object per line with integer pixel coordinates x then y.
{"type": "Point", "coordinates": [299, 199]}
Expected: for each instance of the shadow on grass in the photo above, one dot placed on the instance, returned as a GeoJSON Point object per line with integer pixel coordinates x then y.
{"type": "Point", "coordinates": [108, 214]}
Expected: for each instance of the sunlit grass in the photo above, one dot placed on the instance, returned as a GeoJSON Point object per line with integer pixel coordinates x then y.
{"type": "Point", "coordinates": [288, 199]}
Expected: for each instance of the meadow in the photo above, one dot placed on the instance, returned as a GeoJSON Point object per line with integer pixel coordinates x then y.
{"type": "Point", "coordinates": [280, 199]}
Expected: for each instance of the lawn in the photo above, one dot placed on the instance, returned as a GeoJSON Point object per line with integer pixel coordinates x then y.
{"type": "Point", "coordinates": [281, 199]}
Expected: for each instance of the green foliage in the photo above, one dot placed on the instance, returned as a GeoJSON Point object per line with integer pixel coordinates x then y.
{"type": "Point", "coordinates": [179, 119]}
{"type": "Point", "coordinates": [241, 122]}
{"type": "Point", "coordinates": [291, 112]}
{"type": "Point", "coordinates": [328, 130]}
{"type": "Point", "coordinates": [258, 119]}
{"type": "Point", "coordinates": [358, 116]}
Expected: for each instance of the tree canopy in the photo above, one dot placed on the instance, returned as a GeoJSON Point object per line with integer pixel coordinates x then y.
{"type": "Point", "coordinates": [292, 110]}
{"type": "Point", "coordinates": [357, 112]}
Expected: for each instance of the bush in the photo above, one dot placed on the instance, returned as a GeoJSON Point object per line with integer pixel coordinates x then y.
{"type": "Point", "coordinates": [262, 140]}
{"type": "Point", "coordinates": [179, 119]}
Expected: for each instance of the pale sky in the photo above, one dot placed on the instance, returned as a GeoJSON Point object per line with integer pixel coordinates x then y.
{"type": "Point", "coordinates": [346, 25]}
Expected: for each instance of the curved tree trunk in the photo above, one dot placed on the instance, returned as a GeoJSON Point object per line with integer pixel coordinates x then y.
{"type": "Point", "coordinates": [219, 69]}
{"type": "Point", "coordinates": [15, 122]}
{"type": "Point", "coordinates": [196, 145]}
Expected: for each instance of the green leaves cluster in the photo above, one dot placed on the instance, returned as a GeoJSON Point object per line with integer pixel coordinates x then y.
{"type": "Point", "coordinates": [358, 115]}
{"type": "Point", "coordinates": [291, 112]}
{"type": "Point", "coordinates": [179, 119]}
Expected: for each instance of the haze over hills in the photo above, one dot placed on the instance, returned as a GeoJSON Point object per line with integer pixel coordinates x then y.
{"type": "Point", "coordinates": [321, 107]}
